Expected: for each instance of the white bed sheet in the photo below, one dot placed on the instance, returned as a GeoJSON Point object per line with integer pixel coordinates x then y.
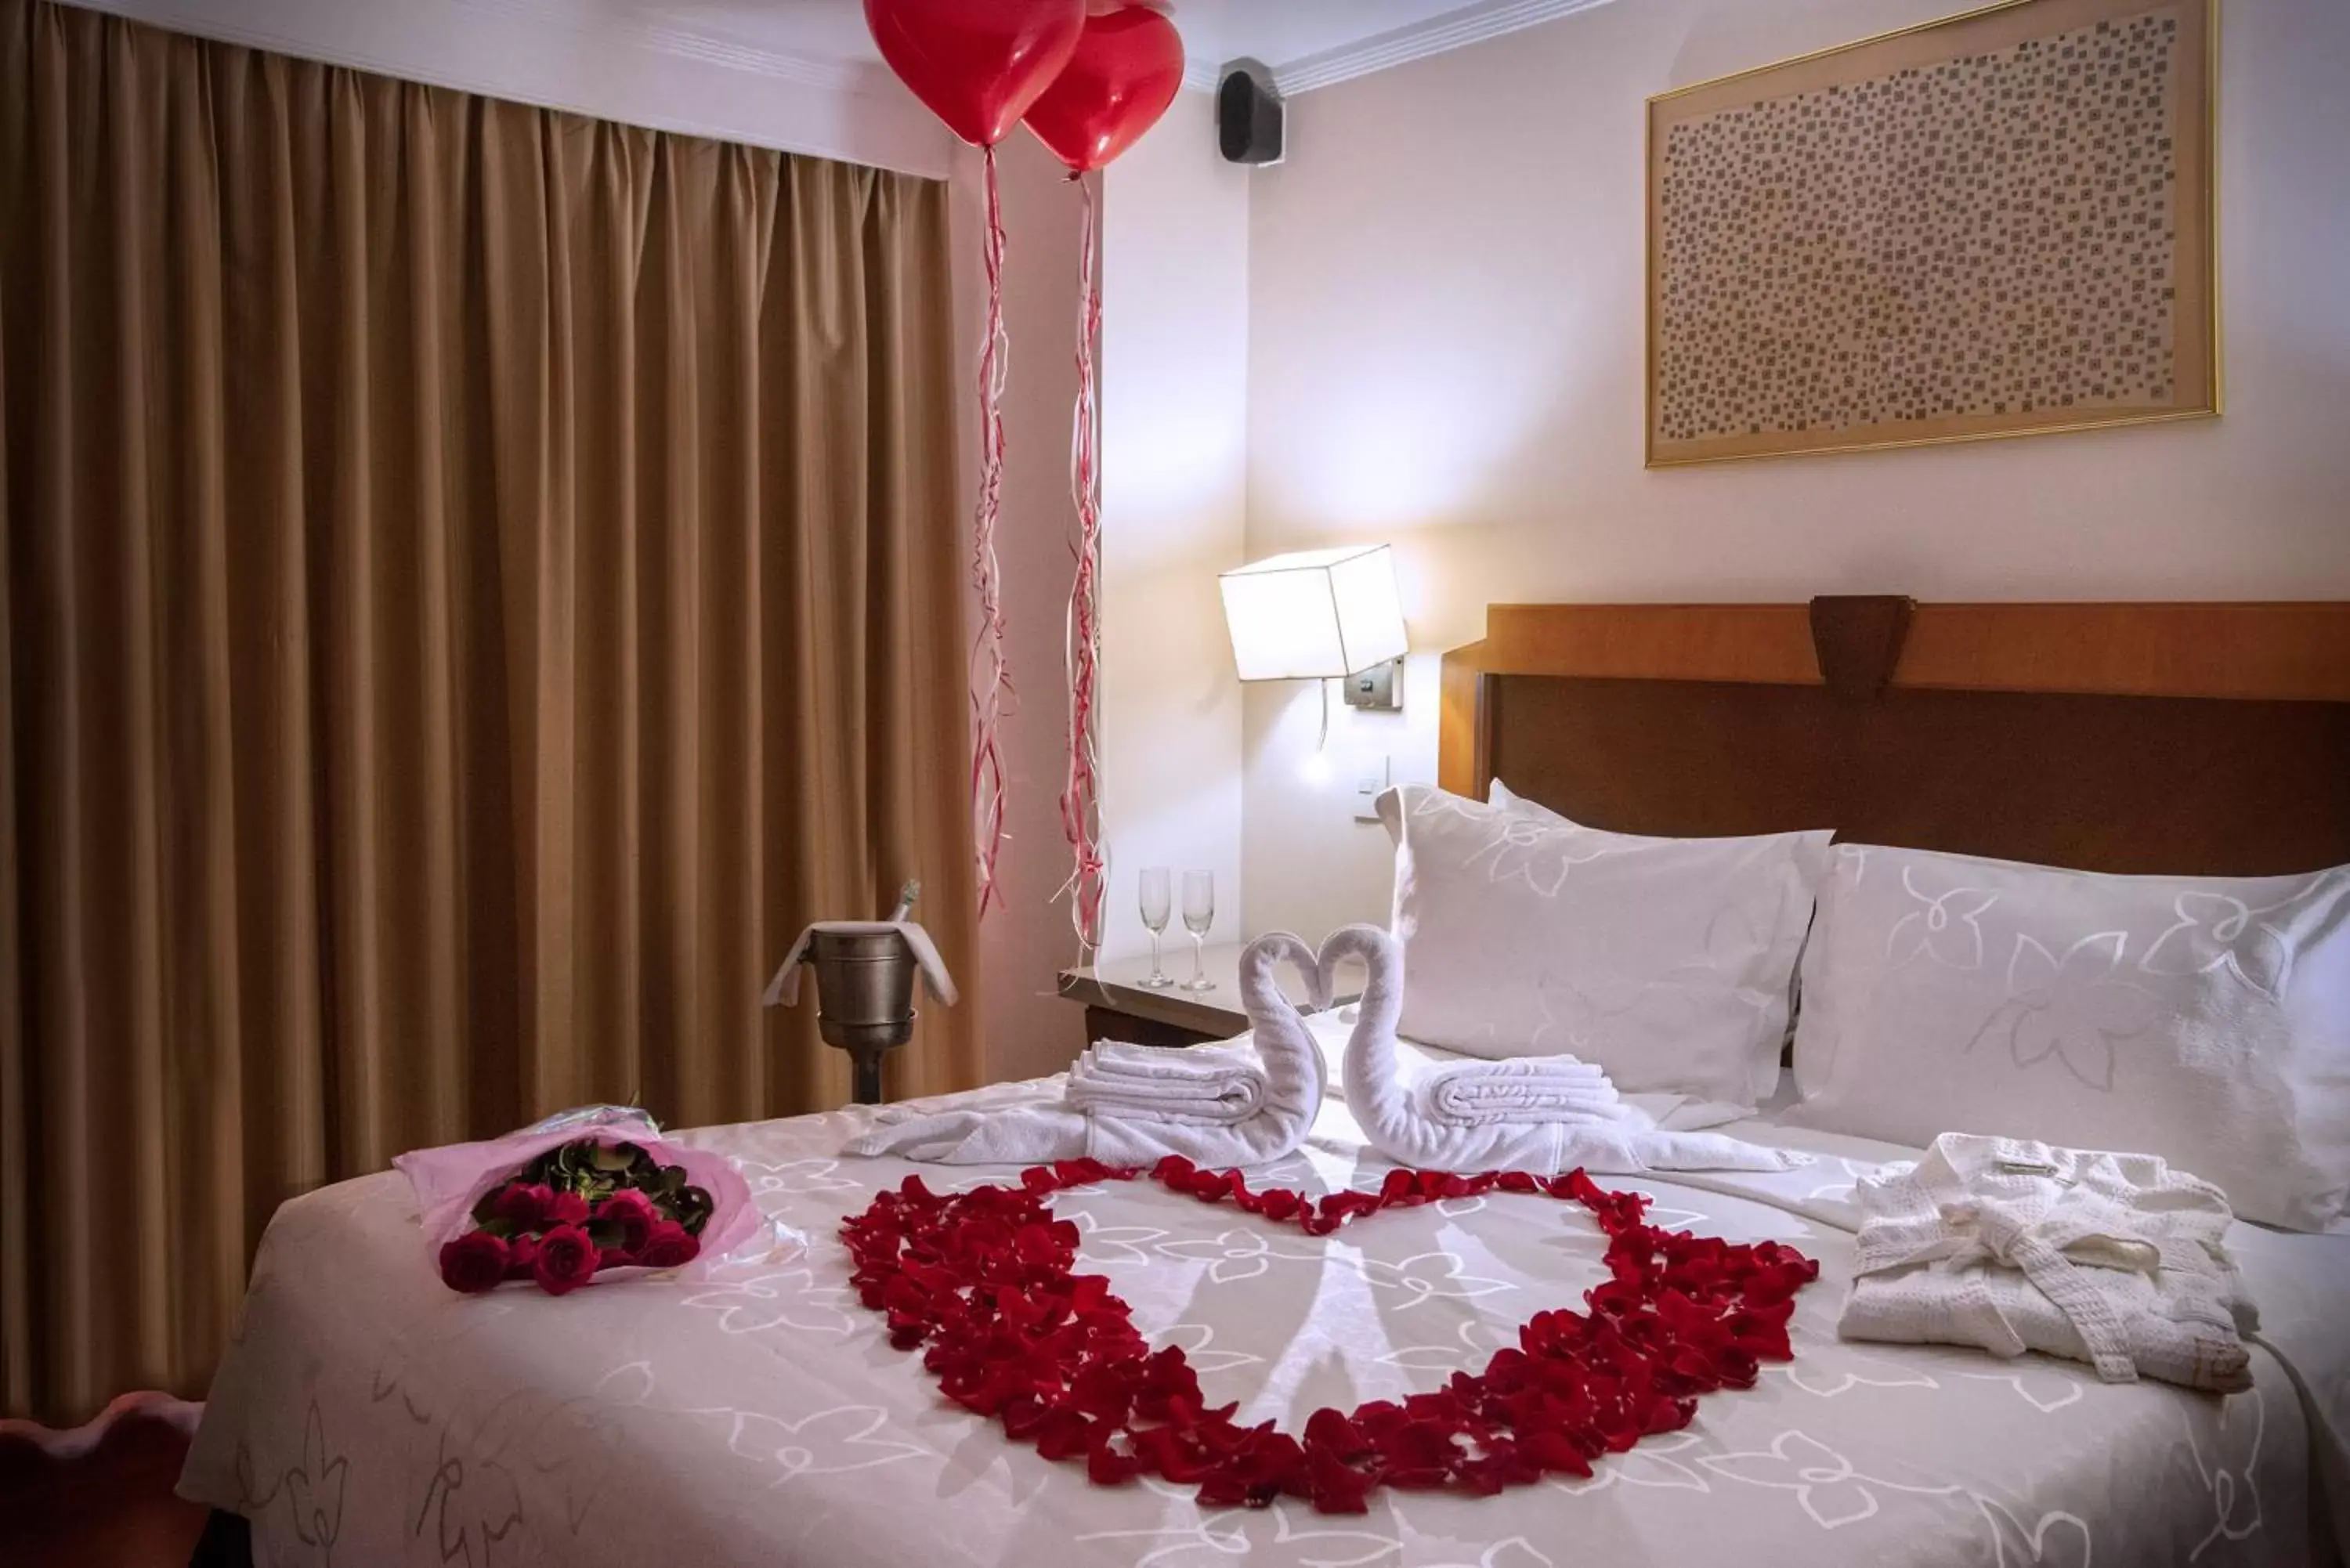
{"type": "Point", "coordinates": [365, 1415]}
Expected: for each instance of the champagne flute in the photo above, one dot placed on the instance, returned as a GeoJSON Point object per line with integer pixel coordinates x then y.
{"type": "Point", "coordinates": [1199, 914]}
{"type": "Point", "coordinates": [1155, 909]}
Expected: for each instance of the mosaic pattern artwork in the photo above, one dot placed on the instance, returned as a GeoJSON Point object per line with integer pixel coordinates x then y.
{"type": "Point", "coordinates": [1980, 243]}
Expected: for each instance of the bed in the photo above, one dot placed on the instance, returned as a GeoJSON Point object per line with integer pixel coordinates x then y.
{"type": "Point", "coordinates": [366, 1415]}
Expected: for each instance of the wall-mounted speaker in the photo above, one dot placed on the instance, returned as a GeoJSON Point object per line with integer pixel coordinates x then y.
{"type": "Point", "coordinates": [1249, 115]}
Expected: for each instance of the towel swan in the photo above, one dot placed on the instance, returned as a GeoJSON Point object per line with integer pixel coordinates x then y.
{"type": "Point", "coordinates": [1539, 1114]}
{"type": "Point", "coordinates": [1218, 1085]}
{"type": "Point", "coordinates": [1133, 1105]}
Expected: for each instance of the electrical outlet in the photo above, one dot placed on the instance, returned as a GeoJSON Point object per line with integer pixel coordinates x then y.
{"type": "Point", "coordinates": [1370, 782]}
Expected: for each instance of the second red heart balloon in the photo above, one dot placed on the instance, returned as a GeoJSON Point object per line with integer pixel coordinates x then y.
{"type": "Point", "coordinates": [1126, 68]}
{"type": "Point", "coordinates": [978, 64]}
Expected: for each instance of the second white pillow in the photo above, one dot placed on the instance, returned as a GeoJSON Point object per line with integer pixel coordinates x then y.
{"type": "Point", "coordinates": [1664, 961]}
{"type": "Point", "coordinates": [2203, 1019]}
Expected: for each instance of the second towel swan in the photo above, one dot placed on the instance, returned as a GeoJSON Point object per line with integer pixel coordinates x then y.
{"type": "Point", "coordinates": [1542, 1114]}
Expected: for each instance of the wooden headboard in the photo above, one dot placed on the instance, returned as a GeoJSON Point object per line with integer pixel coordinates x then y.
{"type": "Point", "coordinates": [2194, 739]}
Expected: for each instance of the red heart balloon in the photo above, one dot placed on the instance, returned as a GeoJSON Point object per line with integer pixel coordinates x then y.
{"type": "Point", "coordinates": [1126, 69]}
{"type": "Point", "coordinates": [978, 64]}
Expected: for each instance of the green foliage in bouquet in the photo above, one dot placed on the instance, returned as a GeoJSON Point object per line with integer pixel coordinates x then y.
{"type": "Point", "coordinates": [595, 1171]}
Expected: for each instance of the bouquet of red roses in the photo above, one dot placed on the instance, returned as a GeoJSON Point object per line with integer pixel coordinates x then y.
{"type": "Point", "coordinates": [577, 1208]}
{"type": "Point", "coordinates": [581, 1193]}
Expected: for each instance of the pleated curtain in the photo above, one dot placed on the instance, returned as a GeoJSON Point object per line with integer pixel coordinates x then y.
{"type": "Point", "coordinates": [477, 579]}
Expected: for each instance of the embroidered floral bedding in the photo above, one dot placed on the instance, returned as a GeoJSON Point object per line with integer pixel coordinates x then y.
{"type": "Point", "coordinates": [367, 1415]}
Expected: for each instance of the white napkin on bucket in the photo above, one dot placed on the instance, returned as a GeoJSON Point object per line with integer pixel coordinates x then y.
{"type": "Point", "coordinates": [784, 991]}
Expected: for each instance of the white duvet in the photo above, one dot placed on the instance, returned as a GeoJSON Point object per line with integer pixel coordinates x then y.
{"type": "Point", "coordinates": [366, 1415]}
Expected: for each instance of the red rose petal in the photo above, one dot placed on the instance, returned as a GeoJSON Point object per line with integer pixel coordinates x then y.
{"type": "Point", "coordinates": [1280, 1204]}
{"type": "Point", "coordinates": [1334, 1486]}
{"type": "Point", "coordinates": [1333, 1432]}
{"type": "Point", "coordinates": [1104, 1466]}
{"type": "Point", "coordinates": [1556, 1452]}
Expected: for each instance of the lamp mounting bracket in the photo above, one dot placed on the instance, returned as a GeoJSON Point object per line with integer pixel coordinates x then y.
{"type": "Point", "coordinates": [1378, 689]}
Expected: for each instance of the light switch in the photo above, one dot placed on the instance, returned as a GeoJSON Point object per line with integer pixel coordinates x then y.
{"type": "Point", "coordinates": [1370, 782]}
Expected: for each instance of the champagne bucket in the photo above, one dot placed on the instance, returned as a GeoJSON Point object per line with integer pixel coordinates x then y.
{"type": "Point", "coordinates": [864, 986]}
{"type": "Point", "coordinates": [864, 991]}
{"type": "Point", "coordinates": [865, 1000]}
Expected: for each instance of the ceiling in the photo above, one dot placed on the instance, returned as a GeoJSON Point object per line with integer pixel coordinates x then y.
{"type": "Point", "coordinates": [1309, 43]}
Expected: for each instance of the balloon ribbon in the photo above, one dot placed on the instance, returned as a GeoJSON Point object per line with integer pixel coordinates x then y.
{"type": "Point", "coordinates": [1081, 792]}
{"type": "Point", "coordinates": [991, 677]}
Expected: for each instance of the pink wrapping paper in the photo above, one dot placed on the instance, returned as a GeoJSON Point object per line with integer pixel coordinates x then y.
{"type": "Point", "coordinates": [451, 1179]}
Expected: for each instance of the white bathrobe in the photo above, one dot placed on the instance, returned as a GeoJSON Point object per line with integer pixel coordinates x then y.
{"type": "Point", "coordinates": [2012, 1245]}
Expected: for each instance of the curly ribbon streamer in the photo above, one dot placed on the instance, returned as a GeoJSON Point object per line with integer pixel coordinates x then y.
{"type": "Point", "coordinates": [991, 677]}
{"type": "Point", "coordinates": [1081, 792]}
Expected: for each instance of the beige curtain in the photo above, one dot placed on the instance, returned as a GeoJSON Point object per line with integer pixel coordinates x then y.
{"type": "Point", "coordinates": [476, 580]}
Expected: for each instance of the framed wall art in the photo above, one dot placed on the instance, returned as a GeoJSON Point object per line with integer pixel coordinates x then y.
{"type": "Point", "coordinates": [2000, 223]}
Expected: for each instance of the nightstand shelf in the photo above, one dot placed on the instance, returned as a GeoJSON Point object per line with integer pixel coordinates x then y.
{"type": "Point", "coordinates": [1118, 1007]}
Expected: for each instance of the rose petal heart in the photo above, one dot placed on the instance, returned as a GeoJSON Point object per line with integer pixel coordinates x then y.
{"type": "Point", "coordinates": [979, 65]}
{"type": "Point", "coordinates": [984, 1283]}
{"type": "Point", "coordinates": [1127, 68]}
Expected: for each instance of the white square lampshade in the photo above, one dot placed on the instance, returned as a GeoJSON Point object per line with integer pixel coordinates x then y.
{"type": "Point", "coordinates": [1314, 613]}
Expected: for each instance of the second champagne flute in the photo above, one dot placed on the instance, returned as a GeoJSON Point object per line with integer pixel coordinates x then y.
{"type": "Point", "coordinates": [1155, 909]}
{"type": "Point", "coordinates": [1199, 914]}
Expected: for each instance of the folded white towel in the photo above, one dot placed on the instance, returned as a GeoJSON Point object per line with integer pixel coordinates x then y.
{"type": "Point", "coordinates": [1216, 1085]}
{"type": "Point", "coordinates": [1526, 1088]}
{"type": "Point", "coordinates": [1136, 1126]}
{"type": "Point", "coordinates": [2011, 1245]}
{"type": "Point", "coordinates": [1538, 1114]}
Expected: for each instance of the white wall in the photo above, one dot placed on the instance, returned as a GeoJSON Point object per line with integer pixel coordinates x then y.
{"type": "Point", "coordinates": [1174, 466]}
{"type": "Point", "coordinates": [1446, 351]}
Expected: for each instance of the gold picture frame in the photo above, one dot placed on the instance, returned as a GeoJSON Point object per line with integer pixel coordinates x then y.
{"type": "Point", "coordinates": [1947, 233]}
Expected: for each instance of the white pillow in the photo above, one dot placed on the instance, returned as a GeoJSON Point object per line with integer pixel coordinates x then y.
{"type": "Point", "coordinates": [1664, 961]}
{"type": "Point", "coordinates": [1502, 795]}
{"type": "Point", "coordinates": [2206, 1020]}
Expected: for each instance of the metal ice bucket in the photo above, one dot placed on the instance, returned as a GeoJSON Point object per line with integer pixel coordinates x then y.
{"type": "Point", "coordinates": [865, 1000]}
